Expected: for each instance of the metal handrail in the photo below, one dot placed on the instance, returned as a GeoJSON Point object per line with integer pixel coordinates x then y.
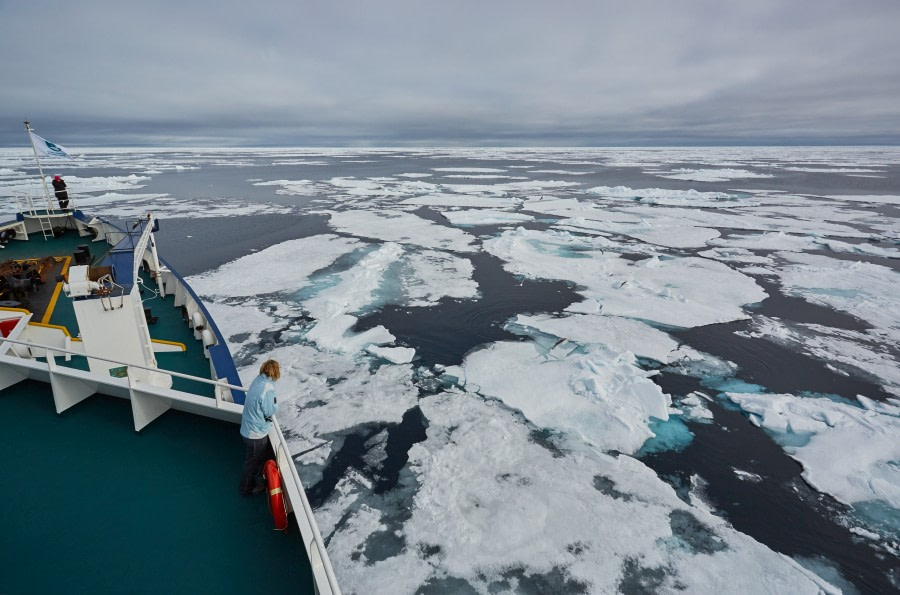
{"type": "Point", "coordinates": [307, 510]}
{"type": "Point", "coordinates": [25, 199]}
{"type": "Point", "coordinates": [54, 349]}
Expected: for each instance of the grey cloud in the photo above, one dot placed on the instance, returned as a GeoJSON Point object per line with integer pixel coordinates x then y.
{"type": "Point", "coordinates": [404, 72]}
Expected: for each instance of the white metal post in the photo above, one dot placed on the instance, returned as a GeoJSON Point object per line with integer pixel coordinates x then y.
{"type": "Point", "coordinates": [156, 267]}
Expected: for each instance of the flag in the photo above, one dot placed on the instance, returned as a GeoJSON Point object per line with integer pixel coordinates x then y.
{"type": "Point", "coordinates": [45, 147]}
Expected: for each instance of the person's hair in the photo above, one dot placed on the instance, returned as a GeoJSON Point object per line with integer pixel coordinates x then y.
{"type": "Point", "coordinates": [271, 369]}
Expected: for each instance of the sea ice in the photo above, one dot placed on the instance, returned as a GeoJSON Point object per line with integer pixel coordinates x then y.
{"type": "Point", "coordinates": [682, 236]}
{"type": "Point", "coordinates": [682, 292]}
{"type": "Point", "coordinates": [325, 396]}
{"type": "Point", "coordinates": [621, 334]}
{"type": "Point", "coordinates": [788, 220]}
{"type": "Point", "coordinates": [662, 196]}
{"type": "Point", "coordinates": [561, 172]}
{"type": "Point", "coordinates": [395, 355]}
{"type": "Point", "coordinates": [865, 290]}
{"type": "Point", "coordinates": [851, 451]}
{"type": "Point", "coordinates": [767, 241]}
{"type": "Point", "coordinates": [710, 175]}
{"type": "Point", "coordinates": [889, 199]}
{"type": "Point", "coordinates": [859, 352]}
{"type": "Point", "coordinates": [462, 200]}
{"type": "Point", "coordinates": [737, 255]}
{"type": "Point", "coordinates": [355, 291]}
{"type": "Point", "coordinates": [403, 228]}
{"type": "Point", "coordinates": [470, 170]}
{"type": "Point", "coordinates": [283, 267]}
{"type": "Point", "coordinates": [596, 393]}
{"type": "Point", "coordinates": [695, 409]}
{"type": "Point", "coordinates": [427, 276]}
{"type": "Point", "coordinates": [484, 217]}
{"type": "Point", "coordinates": [491, 509]}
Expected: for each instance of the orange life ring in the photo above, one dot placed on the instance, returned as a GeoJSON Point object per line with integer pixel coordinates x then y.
{"type": "Point", "coordinates": [276, 497]}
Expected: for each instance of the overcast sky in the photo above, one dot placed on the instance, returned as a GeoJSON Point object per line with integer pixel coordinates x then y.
{"type": "Point", "coordinates": [420, 72]}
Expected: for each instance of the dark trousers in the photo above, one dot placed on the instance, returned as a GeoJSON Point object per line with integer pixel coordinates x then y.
{"type": "Point", "coordinates": [63, 199]}
{"type": "Point", "coordinates": [254, 459]}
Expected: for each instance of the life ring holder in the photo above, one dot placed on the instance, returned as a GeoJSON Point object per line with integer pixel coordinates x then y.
{"type": "Point", "coordinates": [275, 494]}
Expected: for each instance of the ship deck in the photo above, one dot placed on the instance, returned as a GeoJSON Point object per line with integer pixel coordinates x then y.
{"type": "Point", "coordinates": [50, 306]}
{"type": "Point", "coordinates": [91, 505]}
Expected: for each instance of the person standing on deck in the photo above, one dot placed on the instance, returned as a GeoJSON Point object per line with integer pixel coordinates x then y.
{"type": "Point", "coordinates": [259, 407]}
{"type": "Point", "coordinates": [59, 188]}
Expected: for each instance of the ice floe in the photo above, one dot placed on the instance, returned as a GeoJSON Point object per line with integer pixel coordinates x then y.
{"type": "Point", "coordinates": [621, 334]}
{"type": "Point", "coordinates": [683, 292]}
{"type": "Point", "coordinates": [484, 217]}
{"type": "Point", "coordinates": [283, 267]}
{"type": "Point", "coordinates": [694, 408]}
{"type": "Point", "coordinates": [889, 199]}
{"type": "Point", "coordinates": [403, 228]}
{"type": "Point", "coordinates": [710, 175]}
{"type": "Point", "coordinates": [865, 290]}
{"type": "Point", "coordinates": [662, 196]}
{"type": "Point", "coordinates": [395, 355]}
{"type": "Point", "coordinates": [469, 170]}
{"type": "Point", "coordinates": [427, 276]}
{"type": "Point", "coordinates": [767, 241]}
{"type": "Point", "coordinates": [847, 450]}
{"type": "Point", "coordinates": [462, 200]}
{"type": "Point", "coordinates": [834, 170]}
{"type": "Point", "coordinates": [596, 393]}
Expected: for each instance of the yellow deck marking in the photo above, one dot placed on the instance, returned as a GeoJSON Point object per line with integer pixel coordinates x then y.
{"type": "Point", "coordinates": [56, 326]}
{"type": "Point", "coordinates": [176, 343]}
{"type": "Point", "coordinates": [52, 304]}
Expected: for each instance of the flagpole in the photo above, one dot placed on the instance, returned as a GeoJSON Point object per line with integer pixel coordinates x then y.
{"type": "Point", "coordinates": [40, 170]}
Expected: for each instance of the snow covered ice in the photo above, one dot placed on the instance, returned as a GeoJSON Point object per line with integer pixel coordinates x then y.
{"type": "Point", "coordinates": [518, 467]}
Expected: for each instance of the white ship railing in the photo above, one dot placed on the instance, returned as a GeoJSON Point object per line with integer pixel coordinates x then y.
{"type": "Point", "coordinates": [71, 386]}
{"type": "Point", "coordinates": [25, 202]}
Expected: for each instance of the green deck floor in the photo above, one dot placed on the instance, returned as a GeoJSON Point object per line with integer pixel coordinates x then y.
{"type": "Point", "coordinates": [91, 506]}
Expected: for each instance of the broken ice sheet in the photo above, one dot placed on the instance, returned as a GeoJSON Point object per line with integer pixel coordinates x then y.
{"type": "Point", "coordinates": [865, 290]}
{"type": "Point", "coordinates": [679, 291]}
{"type": "Point", "coordinates": [402, 228]}
{"type": "Point", "coordinates": [488, 507]}
{"type": "Point", "coordinates": [282, 267]}
{"type": "Point", "coordinates": [695, 408]}
{"type": "Point", "coordinates": [621, 334]}
{"type": "Point", "coordinates": [710, 175]}
{"type": "Point", "coordinates": [462, 200]}
{"type": "Point", "coordinates": [848, 451]}
{"type": "Point", "coordinates": [594, 393]}
{"type": "Point", "coordinates": [663, 196]}
{"type": "Point", "coordinates": [484, 217]}
{"type": "Point", "coordinates": [427, 276]}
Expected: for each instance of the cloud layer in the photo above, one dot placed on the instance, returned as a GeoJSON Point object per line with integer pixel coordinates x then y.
{"type": "Point", "coordinates": [405, 72]}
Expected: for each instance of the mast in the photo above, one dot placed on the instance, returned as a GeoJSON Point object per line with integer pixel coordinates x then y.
{"type": "Point", "coordinates": [40, 170]}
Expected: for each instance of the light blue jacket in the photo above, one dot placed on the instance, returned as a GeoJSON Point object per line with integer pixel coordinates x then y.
{"type": "Point", "coordinates": [259, 405]}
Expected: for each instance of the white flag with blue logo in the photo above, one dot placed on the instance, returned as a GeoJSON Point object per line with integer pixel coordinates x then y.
{"type": "Point", "coordinates": [45, 147]}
